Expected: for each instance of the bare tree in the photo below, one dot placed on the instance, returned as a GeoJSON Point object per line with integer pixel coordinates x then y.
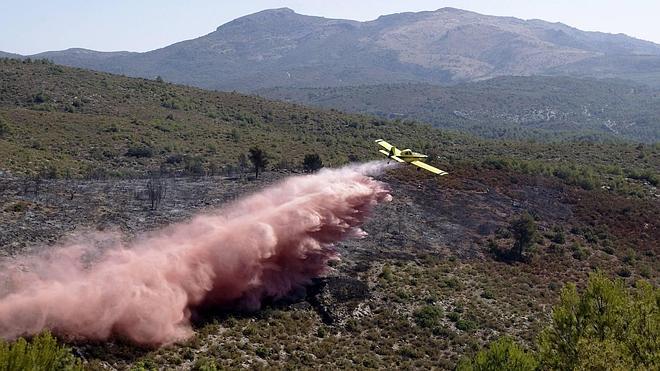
{"type": "Point", "coordinates": [36, 181]}
{"type": "Point", "coordinates": [156, 189]}
{"type": "Point", "coordinates": [243, 164]}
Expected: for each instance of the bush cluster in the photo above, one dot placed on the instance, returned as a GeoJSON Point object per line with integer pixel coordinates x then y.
{"type": "Point", "coordinates": [41, 353]}
{"type": "Point", "coordinates": [606, 327]}
{"type": "Point", "coordinates": [139, 152]}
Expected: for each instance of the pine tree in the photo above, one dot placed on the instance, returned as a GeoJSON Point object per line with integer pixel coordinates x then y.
{"type": "Point", "coordinates": [524, 232]}
{"type": "Point", "coordinates": [259, 160]}
{"type": "Point", "coordinates": [312, 162]}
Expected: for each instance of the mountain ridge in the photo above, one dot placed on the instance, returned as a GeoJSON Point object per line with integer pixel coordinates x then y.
{"type": "Point", "coordinates": [279, 47]}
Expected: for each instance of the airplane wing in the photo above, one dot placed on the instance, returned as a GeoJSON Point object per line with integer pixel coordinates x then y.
{"type": "Point", "coordinates": [388, 147]}
{"type": "Point", "coordinates": [428, 167]}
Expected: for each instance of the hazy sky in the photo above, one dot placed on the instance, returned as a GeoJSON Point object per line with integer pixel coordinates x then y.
{"type": "Point", "coordinates": [28, 27]}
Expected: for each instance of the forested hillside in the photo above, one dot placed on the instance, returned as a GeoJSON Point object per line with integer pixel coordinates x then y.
{"type": "Point", "coordinates": [76, 121]}
{"type": "Point", "coordinates": [542, 108]}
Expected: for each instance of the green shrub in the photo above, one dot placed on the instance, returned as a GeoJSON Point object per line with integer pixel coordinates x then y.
{"type": "Point", "coordinates": [4, 128]}
{"type": "Point", "coordinates": [386, 274]}
{"type": "Point", "coordinates": [409, 352]}
{"type": "Point", "coordinates": [648, 176]}
{"type": "Point", "coordinates": [17, 207]}
{"type": "Point", "coordinates": [629, 257]}
{"type": "Point", "coordinates": [174, 159]}
{"type": "Point", "coordinates": [40, 97]}
{"type": "Point", "coordinates": [205, 364]}
{"type": "Point", "coordinates": [452, 283]}
{"type": "Point", "coordinates": [171, 104]}
{"type": "Point", "coordinates": [139, 152]}
{"type": "Point", "coordinates": [193, 165]}
{"type": "Point", "coordinates": [503, 354]}
{"type": "Point", "coordinates": [606, 327]}
{"type": "Point", "coordinates": [624, 272]}
{"type": "Point", "coordinates": [465, 325]}
{"type": "Point", "coordinates": [263, 352]}
{"type": "Point", "coordinates": [590, 236]}
{"type": "Point", "coordinates": [487, 294]}
{"type": "Point", "coordinates": [453, 316]}
{"type": "Point", "coordinates": [428, 316]}
{"type": "Point", "coordinates": [48, 172]}
{"type": "Point", "coordinates": [558, 235]}
{"type": "Point", "coordinates": [503, 233]}
{"type": "Point", "coordinates": [579, 252]}
{"type": "Point", "coordinates": [312, 162]}
{"type": "Point", "coordinates": [41, 353]}
{"type": "Point", "coordinates": [608, 250]}
{"type": "Point", "coordinates": [146, 364]}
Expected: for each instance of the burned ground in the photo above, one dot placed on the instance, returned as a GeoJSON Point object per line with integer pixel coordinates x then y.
{"type": "Point", "coordinates": [421, 290]}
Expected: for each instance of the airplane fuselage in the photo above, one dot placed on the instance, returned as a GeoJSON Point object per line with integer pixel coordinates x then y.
{"type": "Point", "coordinates": [409, 156]}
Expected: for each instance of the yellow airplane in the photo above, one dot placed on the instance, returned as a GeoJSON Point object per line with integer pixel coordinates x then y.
{"type": "Point", "coordinates": [408, 156]}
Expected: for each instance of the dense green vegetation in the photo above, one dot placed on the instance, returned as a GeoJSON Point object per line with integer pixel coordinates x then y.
{"type": "Point", "coordinates": [40, 353]}
{"type": "Point", "coordinates": [606, 327]}
{"type": "Point", "coordinates": [542, 108]}
{"type": "Point", "coordinates": [503, 354]}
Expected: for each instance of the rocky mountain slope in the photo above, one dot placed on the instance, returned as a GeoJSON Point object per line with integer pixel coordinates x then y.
{"type": "Point", "coordinates": [282, 48]}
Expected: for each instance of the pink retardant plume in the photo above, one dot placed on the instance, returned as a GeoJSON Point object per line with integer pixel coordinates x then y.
{"type": "Point", "coordinates": [263, 246]}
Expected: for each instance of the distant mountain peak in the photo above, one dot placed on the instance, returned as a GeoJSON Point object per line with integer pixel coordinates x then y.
{"type": "Point", "coordinates": [280, 10]}
{"type": "Point", "coordinates": [449, 9]}
{"type": "Point", "coordinates": [279, 47]}
{"type": "Point", "coordinates": [272, 12]}
{"type": "Point", "coordinates": [264, 15]}
{"type": "Point", "coordinates": [81, 51]}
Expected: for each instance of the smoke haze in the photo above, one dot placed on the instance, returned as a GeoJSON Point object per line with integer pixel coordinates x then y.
{"type": "Point", "coordinates": [263, 246]}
